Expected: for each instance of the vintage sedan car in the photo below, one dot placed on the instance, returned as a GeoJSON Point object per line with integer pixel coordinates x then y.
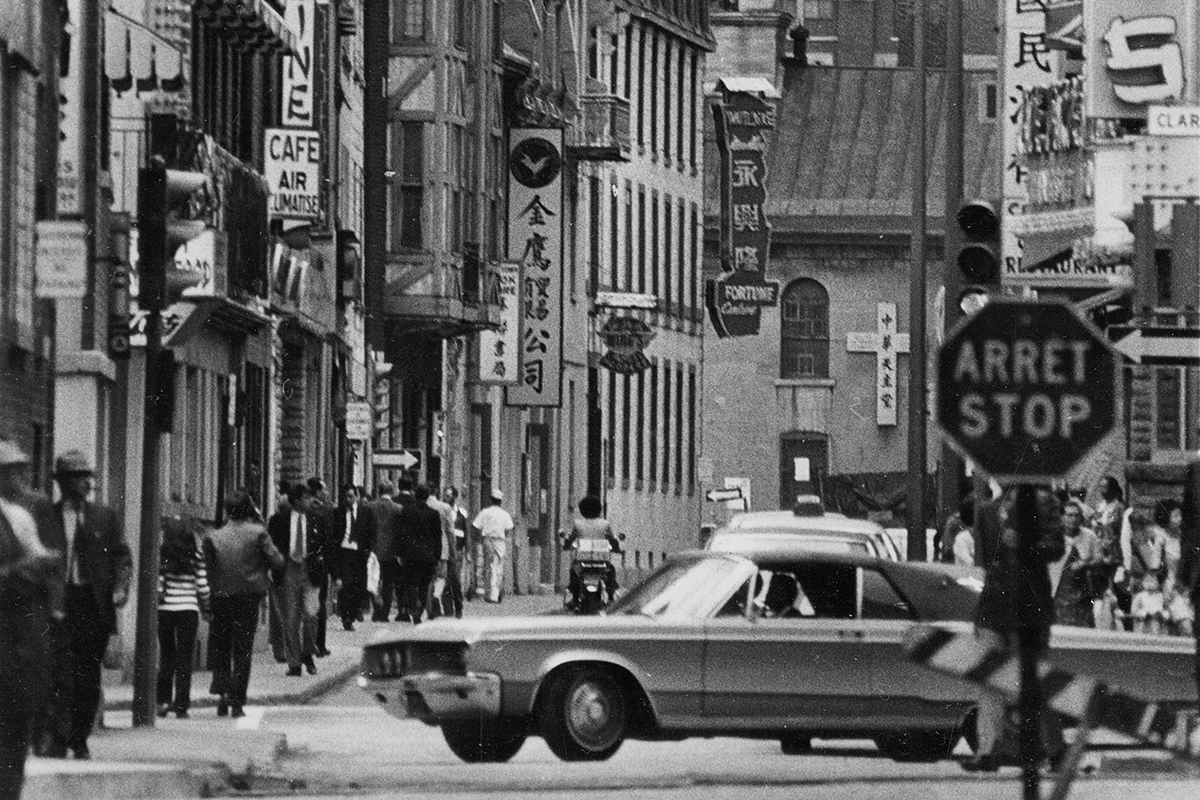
{"type": "Point", "coordinates": [705, 647]}
{"type": "Point", "coordinates": [808, 523]}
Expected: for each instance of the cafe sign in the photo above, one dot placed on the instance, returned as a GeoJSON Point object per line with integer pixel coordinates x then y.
{"type": "Point", "coordinates": [735, 299]}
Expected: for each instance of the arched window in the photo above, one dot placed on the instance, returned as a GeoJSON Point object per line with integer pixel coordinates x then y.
{"type": "Point", "coordinates": [804, 345]}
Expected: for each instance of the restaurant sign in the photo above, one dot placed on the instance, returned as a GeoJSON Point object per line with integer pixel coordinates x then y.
{"type": "Point", "coordinates": [735, 299]}
{"type": "Point", "coordinates": [626, 339]}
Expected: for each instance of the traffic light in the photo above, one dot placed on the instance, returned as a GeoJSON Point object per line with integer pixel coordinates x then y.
{"type": "Point", "coordinates": [162, 230]}
{"type": "Point", "coordinates": [1145, 259]}
{"type": "Point", "coordinates": [978, 257]}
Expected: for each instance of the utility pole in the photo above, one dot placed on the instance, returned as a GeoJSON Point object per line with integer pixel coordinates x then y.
{"type": "Point", "coordinates": [376, 33]}
{"type": "Point", "coordinates": [916, 360]}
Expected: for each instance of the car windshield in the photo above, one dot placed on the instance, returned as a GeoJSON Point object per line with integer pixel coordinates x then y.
{"type": "Point", "coordinates": [689, 588]}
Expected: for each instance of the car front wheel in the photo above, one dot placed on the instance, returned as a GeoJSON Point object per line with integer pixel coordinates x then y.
{"type": "Point", "coordinates": [485, 740]}
{"type": "Point", "coordinates": [583, 714]}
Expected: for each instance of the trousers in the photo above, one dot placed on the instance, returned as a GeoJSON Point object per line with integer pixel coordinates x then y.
{"type": "Point", "coordinates": [299, 621]}
{"type": "Point", "coordinates": [494, 551]}
{"type": "Point", "coordinates": [234, 622]}
{"type": "Point", "coordinates": [77, 692]}
{"type": "Point", "coordinates": [176, 646]}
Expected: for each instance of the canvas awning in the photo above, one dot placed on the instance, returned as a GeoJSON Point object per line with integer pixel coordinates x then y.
{"type": "Point", "coordinates": [256, 21]}
{"type": "Point", "coordinates": [136, 58]}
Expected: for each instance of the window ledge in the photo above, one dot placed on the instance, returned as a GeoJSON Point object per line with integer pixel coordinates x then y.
{"type": "Point", "coordinates": [805, 383]}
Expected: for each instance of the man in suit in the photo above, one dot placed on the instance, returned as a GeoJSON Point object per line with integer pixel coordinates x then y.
{"type": "Point", "coordinates": [419, 546]}
{"type": "Point", "coordinates": [299, 534]}
{"type": "Point", "coordinates": [350, 568]}
{"type": "Point", "coordinates": [378, 520]}
{"type": "Point", "coordinates": [323, 509]}
{"type": "Point", "coordinates": [98, 567]}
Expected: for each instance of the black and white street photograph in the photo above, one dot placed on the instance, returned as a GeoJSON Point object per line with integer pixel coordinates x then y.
{"type": "Point", "coordinates": [600, 399]}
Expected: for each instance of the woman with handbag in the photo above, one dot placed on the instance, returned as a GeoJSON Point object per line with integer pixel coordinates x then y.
{"type": "Point", "coordinates": [240, 557]}
{"type": "Point", "coordinates": [183, 596]}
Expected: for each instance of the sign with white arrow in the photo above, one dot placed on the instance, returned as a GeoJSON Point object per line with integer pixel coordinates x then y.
{"type": "Point", "coordinates": [724, 495]}
{"type": "Point", "coordinates": [1158, 346]}
{"type": "Point", "coordinates": [408, 460]}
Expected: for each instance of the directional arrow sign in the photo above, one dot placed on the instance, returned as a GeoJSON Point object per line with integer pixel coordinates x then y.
{"type": "Point", "coordinates": [408, 460]}
{"type": "Point", "coordinates": [1167, 347]}
{"type": "Point", "coordinates": [724, 495]}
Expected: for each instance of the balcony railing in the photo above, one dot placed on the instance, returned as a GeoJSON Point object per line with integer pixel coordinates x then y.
{"type": "Point", "coordinates": [605, 132]}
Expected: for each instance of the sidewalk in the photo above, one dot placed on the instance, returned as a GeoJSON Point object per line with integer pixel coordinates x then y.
{"type": "Point", "coordinates": [204, 754]}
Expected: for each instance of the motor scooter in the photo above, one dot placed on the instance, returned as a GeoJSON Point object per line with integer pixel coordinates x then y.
{"type": "Point", "coordinates": [593, 565]}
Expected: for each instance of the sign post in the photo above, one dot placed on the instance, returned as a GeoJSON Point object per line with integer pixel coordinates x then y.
{"type": "Point", "coordinates": [1025, 390]}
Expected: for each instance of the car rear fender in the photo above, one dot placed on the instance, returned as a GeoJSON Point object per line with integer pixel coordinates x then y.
{"type": "Point", "coordinates": [565, 658]}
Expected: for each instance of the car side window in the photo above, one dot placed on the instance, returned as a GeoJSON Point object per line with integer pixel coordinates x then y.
{"type": "Point", "coordinates": [735, 606]}
{"type": "Point", "coordinates": [831, 589]}
{"type": "Point", "coordinates": [881, 600]}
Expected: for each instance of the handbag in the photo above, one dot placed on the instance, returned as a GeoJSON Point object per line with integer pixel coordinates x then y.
{"type": "Point", "coordinates": [373, 575]}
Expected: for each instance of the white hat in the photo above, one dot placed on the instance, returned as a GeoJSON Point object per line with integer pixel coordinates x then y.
{"type": "Point", "coordinates": [497, 494]}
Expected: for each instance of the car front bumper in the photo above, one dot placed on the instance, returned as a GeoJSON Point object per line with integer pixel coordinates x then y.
{"type": "Point", "coordinates": [435, 697]}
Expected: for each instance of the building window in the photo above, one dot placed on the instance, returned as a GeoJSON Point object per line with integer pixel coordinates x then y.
{"type": "Point", "coordinates": [666, 70]}
{"type": "Point", "coordinates": [653, 244]}
{"type": "Point", "coordinates": [628, 59]}
{"type": "Point", "coordinates": [626, 423]}
{"type": "Point", "coordinates": [408, 182]}
{"type": "Point", "coordinates": [819, 9]}
{"type": "Point", "coordinates": [804, 351]}
{"type": "Point", "coordinates": [691, 423]}
{"type": "Point", "coordinates": [679, 427]}
{"type": "Point", "coordinates": [640, 474]}
{"type": "Point", "coordinates": [668, 231]}
{"type": "Point", "coordinates": [653, 92]}
{"type": "Point", "coordinates": [652, 472]}
{"type": "Point", "coordinates": [694, 273]}
{"type": "Point", "coordinates": [684, 237]}
{"type": "Point", "coordinates": [989, 102]}
{"type": "Point", "coordinates": [593, 54]}
{"type": "Point", "coordinates": [641, 252]}
{"type": "Point", "coordinates": [456, 171]}
{"type": "Point", "coordinates": [614, 43]}
{"type": "Point", "coordinates": [612, 425]}
{"type": "Point", "coordinates": [666, 462]}
{"type": "Point", "coordinates": [409, 20]}
{"type": "Point", "coordinates": [693, 93]}
{"type": "Point", "coordinates": [594, 239]}
{"type": "Point", "coordinates": [641, 99]}
{"type": "Point", "coordinates": [460, 22]}
{"type": "Point", "coordinates": [614, 230]}
{"type": "Point", "coordinates": [1171, 400]}
{"type": "Point", "coordinates": [629, 233]}
{"type": "Point", "coordinates": [681, 104]}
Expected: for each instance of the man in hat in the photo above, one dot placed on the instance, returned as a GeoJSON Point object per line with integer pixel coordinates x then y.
{"type": "Point", "coordinates": [98, 568]}
{"type": "Point", "coordinates": [29, 578]}
{"type": "Point", "coordinates": [494, 524]}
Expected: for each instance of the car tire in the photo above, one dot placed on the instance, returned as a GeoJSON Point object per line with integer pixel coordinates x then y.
{"type": "Point", "coordinates": [481, 741]}
{"type": "Point", "coordinates": [918, 746]}
{"type": "Point", "coordinates": [583, 714]}
{"type": "Point", "coordinates": [795, 744]}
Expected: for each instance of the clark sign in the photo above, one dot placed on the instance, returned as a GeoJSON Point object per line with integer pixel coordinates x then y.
{"type": "Point", "coordinates": [1026, 389]}
{"type": "Point", "coordinates": [292, 167]}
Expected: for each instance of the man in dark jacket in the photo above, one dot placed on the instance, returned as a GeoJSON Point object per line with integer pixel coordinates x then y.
{"type": "Point", "coordinates": [98, 568]}
{"type": "Point", "coordinates": [350, 568]}
{"type": "Point", "coordinates": [419, 546]}
{"type": "Point", "coordinates": [299, 534]}
{"type": "Point", "coordinates": [377, 526]}
{"type": "Point", "coordinates": [1016, 606]}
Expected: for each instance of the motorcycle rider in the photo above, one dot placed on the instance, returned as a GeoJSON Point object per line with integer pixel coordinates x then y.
{"type": "Point", "coordinates": [590, 526]}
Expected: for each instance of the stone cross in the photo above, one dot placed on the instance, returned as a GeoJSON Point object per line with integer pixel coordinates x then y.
{"type": "Point", "coordinates": [886, 344]}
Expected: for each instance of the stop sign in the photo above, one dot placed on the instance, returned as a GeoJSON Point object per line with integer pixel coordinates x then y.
{"type": "Point", "coordinates": [1026, 389]}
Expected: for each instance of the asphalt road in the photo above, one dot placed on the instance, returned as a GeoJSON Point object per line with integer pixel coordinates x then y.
{"type": "Point", "coordinates": [344, 745]}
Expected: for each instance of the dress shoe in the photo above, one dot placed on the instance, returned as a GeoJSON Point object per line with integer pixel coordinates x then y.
{"type": "Point", "coordinates": [293, 672]}
{"type": "Point", "coordinates": [983, 762]}
{"type": "Point", "coordinates": [223, 706]}
{"type": "Point", "coordinates": [310, 665]}
{"type": "Point", "coordinates": [163, 709]}
{"type": "Point", "coordinates": [238, 711]}
{"type": "Point", "coordinates": [181, 713]}
{"type": "Point", "coordinates": [324, 651]}
{"type": "Point", "coordinates": [348, 625]}
{"type": "Point", "coordinates": [82, 753]}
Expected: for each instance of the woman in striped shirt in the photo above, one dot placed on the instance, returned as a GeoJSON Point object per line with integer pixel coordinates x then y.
{"type": "Point", "coordinates": [183, 596]}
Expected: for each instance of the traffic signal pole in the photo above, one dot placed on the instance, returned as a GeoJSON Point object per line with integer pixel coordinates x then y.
{"type": "Point", "coordinates": [917, 457]}
{"type": "Point", "coordinates": [152, 245]}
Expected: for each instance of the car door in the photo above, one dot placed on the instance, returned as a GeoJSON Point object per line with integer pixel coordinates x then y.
{"type": "Point", "coordinates": [794, 672]}
{"type": "Point", "coordinates": [904, 695]}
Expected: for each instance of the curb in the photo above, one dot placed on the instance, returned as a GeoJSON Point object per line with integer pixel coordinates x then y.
{"type": "Point", "coordinates": [105, 781]}
{"type": "Point", "coordinates": [308, 694]}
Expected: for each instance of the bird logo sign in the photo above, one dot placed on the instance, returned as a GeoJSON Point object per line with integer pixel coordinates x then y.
{"type": "Point", "coordinates": [535, 162]}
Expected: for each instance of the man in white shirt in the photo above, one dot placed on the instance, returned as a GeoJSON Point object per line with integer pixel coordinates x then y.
{"type": "Point", "coordinates": [352, 558]}
{"type": "Point", "coordinates": [493, 524]}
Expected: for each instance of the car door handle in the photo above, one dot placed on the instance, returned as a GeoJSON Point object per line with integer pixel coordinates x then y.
{"type": "Point", "coordinates": [850, 634]}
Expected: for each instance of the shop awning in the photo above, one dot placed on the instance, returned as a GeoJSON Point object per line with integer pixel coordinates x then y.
{"type": "Point", "coordinates": [136, 58]}
{"type": "Point", "coordinates": [256, 21]}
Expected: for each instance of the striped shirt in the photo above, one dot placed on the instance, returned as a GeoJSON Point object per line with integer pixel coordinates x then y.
{"type": "Point", "coordinates": [184, 591]}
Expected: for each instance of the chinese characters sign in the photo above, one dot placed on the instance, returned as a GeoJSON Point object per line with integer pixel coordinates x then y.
{"type": "Point", "coordinates": [535, 241]}
{"type": "Point", "coordinates": [1137, 54]}
{"type": "Point", "coordinates": [735, 300]}
{"type": "Point", "coordinates": [886, 344]}
{"type": "Point", "coordinates": [498, 349]}
{"type": "Point", "coordinates": [1026, 66]}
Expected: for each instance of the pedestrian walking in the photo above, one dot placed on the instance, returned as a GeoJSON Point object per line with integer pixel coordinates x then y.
{"type": "Point", "coordinates": [493, 525]}
{"type": "Point", "coordinates": [240, 557]}
{"type": "Point", "coordinates": [323, 573]}
{"type": "Point", "coordinates": [419, 546]}
{"type": "Point", "coordinates": [1015, 610]}
{"type": "Point", "coordinates": [1072, 575]}
{"type": "Point", "coordinates": [98, 568]}
{"type": "Point", "coordinates": [458, 564]}
{"type": "Point", "coordinates": [30, 578]}
{"type": "Point", "coordinates": [298, 533]}
{"type": "Point", "coordinates": [379, 521]}
{"type": "Point", "coordinates": [1180, 616]}
{"type": "Point", "coordinates": [1110, 599]}
{"type": "Point", "coordinates": [441, 600]}
{"type": "Point", "coordinates": [351, 558]}
{"type": "Point", "coordinates": [183, 596]}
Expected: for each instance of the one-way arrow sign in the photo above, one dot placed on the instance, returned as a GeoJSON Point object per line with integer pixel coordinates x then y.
{"type": "Point", "coordinates": [1160, 346]}
{"type": "Point", "coordinates": [408, 460]}
{"type": "Point", "coordinates": [724, 495]}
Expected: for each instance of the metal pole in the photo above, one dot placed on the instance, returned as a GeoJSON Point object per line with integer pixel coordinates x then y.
{"type": "Point", "coordinates": [916, 360]}
{"type": "Point", "coordinates": [1029, 701]}
{"type": "Point", "coordinates": [145, 656]}
{"type": "Point", "coordinates": [951, 466]}
{"type": "Point", "coordinates": [376, 33]}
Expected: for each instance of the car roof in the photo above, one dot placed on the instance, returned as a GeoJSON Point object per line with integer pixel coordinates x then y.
{"type": "Point", "coordinates": [787, 521]}
{"type": "Point", "coordinates": [786, 541]}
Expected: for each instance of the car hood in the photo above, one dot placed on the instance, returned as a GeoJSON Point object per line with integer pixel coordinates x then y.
{"type": "Point", "coordinates": [507, 628]}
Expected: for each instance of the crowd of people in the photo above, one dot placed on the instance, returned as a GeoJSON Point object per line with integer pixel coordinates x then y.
{"type": "Point", "coordinates": [1119, 569]}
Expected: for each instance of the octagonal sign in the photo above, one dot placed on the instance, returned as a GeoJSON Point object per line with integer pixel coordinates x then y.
{"type": "Point", "coordinates": [1026, 389]}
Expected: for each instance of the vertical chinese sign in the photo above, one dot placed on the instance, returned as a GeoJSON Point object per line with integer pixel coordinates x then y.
{"type": "Point", "coordinates": [735, 300]}
{"type": "Point", "coordinates": [535, 240]}
{"type": "Point", "coordinates": [1026, 65]}
{"type": "Point", "coordinates": [499, 349]}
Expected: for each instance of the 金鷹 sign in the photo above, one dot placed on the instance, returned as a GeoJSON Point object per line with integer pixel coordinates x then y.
{"type": "Point", "coordinates": [1026, 389]}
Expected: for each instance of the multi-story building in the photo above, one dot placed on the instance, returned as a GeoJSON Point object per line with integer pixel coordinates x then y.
{"type": "Point", "coordinates": [32, 268]}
